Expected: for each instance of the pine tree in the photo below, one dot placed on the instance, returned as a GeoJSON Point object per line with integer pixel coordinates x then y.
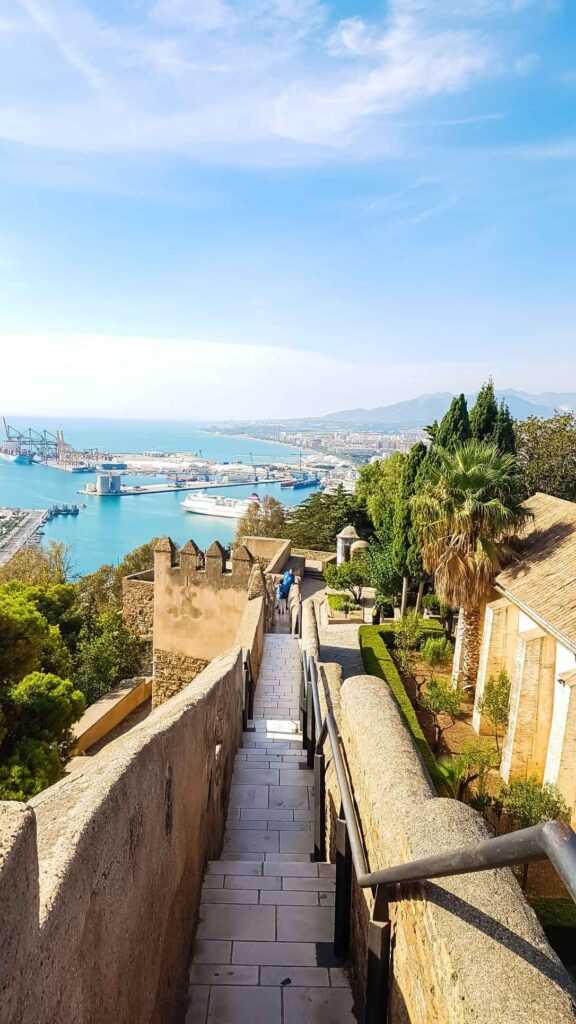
{"type": "Point", "coordinates": [454, 428]}
{"type": "Point", "coordinates": [484, 414]}
{"type": "Point", "coordinates": [504, 437]}
{"type": "Point", "coordinates": [405, 546]}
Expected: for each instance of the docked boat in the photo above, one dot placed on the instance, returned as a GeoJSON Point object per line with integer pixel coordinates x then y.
{"type": "Point", "coordinates": [306, 481]}
{"type": "Point", "coordinates": [203, 504]}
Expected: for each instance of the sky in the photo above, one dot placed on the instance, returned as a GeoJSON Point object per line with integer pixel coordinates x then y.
{"type": "Point", "coordinates": [251, 208]}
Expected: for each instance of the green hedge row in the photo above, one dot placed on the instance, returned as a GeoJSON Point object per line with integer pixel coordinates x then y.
{"type": "Point", "coordinates": [378, 661]}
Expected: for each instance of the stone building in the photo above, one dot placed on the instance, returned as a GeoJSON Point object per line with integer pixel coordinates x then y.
{"type": "Point", "coordinates": [530, 630]}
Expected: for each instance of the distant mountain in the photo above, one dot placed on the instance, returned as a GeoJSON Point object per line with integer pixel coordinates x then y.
{"type": "Point", "coordinates": [419, 412]}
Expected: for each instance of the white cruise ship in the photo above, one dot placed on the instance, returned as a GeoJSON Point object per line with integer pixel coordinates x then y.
{"type": "Point", "coordinates": [203, 504]}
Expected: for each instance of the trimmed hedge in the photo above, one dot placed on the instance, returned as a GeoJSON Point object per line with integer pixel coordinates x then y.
{"type": "Point", "coordinates": [378, 661]}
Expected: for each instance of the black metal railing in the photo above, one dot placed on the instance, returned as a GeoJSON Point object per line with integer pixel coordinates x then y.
{"type": "Point", "coordinates": [248, 688]}
{"type": "Point", "coordinates": [552, 840]}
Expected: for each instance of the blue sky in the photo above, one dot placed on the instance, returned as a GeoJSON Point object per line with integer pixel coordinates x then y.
{"type": "Point", "coordinates": [223, 208]}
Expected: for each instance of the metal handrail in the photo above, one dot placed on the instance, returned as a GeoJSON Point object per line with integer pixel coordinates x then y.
{"type": "Point", "coordinates": [550, 840]}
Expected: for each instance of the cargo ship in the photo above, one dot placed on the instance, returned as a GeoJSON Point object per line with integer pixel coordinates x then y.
{"type": "Point", "coordinates": [10, 454]}
{"type": "Point", "coordinates": [202, 504]}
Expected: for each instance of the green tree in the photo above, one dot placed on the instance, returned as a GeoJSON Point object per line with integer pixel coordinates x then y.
{"type": "Point", "coordinates": [24, 633]}
{"type": "Point", "coordinates": [405, 545]}
{"type": "Point", "coordinates": [377, 489]}
{"type": "Point", "coordinates": [316, 523]}
{"type": "Point", "coordinates": [30, 767]}
{"type": "Point", "coordinates": [263, 519]}
{"type": "Point", "coordinates": [440, 699]}
{"type": "Point", "coordinates": [495, 703]}
{"type": "Point", "coordinates": [382, 572]}
{"type": "Point", "coordinates": [504, 437]}
{"type": "Point", "coordinates": [454, 428]}
{"type": "Point", "coordinates": [466, 516]}
{"type": "Point", "coordinates": [546, 451]}
{"type": "Point", "coordinates": [107, 653]}
{"type": "Point", "coordinates": [350, 576]}
{"type": "Point", "coordinates": [42, 566]}
{"type": "Point", "coordinates": [484, 414]}
{"type": "Point", "coordinates": [45, 706]}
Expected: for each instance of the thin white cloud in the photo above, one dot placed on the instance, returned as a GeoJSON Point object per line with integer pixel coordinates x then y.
{"type": "Point", "coordinates": [276, 78]}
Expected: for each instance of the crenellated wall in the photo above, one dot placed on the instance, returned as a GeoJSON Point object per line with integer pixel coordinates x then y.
{"type": "Point", "coordinates": [199, 602]}
{"type": "Point", "coordinates": [100, 876]}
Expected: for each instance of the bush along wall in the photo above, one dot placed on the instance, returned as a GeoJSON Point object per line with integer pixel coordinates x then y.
{"type": "Point", "coordinates": [375, 644]}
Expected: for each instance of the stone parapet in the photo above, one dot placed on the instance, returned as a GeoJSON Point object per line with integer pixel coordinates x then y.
{"type": "Point", "coordinates": [100, 878]}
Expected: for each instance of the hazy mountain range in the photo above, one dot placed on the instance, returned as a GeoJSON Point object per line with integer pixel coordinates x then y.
{"type": "Point", "coordinates": [420, 411]}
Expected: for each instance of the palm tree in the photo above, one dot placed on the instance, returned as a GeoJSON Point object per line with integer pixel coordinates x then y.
{"type": "Point", "coordinates": [467, 513]}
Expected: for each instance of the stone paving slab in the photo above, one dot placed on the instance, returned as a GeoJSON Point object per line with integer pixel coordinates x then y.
{"type": "Point", "coordinates": [289, 954]}
{"type": "Point", "coordinates": [226, 921]}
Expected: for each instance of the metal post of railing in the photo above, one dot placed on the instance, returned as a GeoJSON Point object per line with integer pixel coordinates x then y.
{"type": "Point", "coordinates": [303, 682]}
{"type": "Point", "coordinates": [378, 965]}
{"type": "Point", "coordinates": [319, 807]}
{"type": "Point", "coordinates": [343, 907]}
{"type": "Point", "coordinates": [244, 692]}
{"type": "Point", "coordinates": [310, 726]}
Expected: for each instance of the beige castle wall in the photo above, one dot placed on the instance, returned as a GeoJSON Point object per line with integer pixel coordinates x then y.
{"type": "Point", "coordinates": [100, 877]}
{"type": "Point", "coordinates": [197, 612]}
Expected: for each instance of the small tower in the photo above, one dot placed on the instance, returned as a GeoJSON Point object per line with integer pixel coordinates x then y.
{"type": "Point", "coordinates": [344, 542]}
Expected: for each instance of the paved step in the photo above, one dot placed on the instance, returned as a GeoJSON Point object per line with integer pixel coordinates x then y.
{"type": "Point", "coordinates": [263, 950]}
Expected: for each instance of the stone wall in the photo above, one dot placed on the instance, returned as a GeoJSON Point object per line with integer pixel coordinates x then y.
{"type": "Point", "coordinates": [138, 603]}
{"type": "Point", "coordinates": [172, 672]}
{"type": "Point", "coordinates": [100, 877]}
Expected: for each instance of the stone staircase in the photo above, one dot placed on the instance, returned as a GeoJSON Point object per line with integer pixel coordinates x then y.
{"type": "Point", "coordinates": [263, 950]}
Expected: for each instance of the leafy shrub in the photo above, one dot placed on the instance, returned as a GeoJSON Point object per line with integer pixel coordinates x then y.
{"type": "Point", "coordinates": [496, 701]}
{"type": "Point", "coordinates": [528, 803]}
{"type": "Point", "coordinates": [378, 661]}
{"type": "Point", "coordinates": [341, 603]}
{"type": "Point", "coordinates": [431, 603]}
{"type": "Point", "coordinates": [437, 651]}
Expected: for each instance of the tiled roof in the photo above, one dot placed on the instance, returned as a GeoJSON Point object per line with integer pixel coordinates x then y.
{"type": "Point", "coordinates": [543, 576]}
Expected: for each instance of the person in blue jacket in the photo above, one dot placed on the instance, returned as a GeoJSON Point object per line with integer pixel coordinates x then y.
{"type": "Point", "coordinates": [283, 589]}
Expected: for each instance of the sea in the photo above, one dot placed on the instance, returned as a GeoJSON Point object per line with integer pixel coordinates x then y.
{"type": "Point", "coordinates": [108, 528]}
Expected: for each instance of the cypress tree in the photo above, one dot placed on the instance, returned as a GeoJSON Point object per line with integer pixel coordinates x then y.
{"type": "Point", "coordinates": [504, 437]}
{"type": "Point", "coordinates": [454, 428]}
{"type": "Point", "coordinates": [484, 414]}
{"type": "Point", "coordinates": [405, 548]}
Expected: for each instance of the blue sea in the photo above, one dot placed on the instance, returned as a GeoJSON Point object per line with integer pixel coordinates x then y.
{"type": "Point", "coordinates": [109, 527]}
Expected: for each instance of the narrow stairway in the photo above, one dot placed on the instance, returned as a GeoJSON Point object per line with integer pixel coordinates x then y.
{"type": "Point", "coordinates": [263, 950]}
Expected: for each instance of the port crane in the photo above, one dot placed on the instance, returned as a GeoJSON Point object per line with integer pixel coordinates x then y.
{"type": "Point", "coordinates": [42, 445]}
